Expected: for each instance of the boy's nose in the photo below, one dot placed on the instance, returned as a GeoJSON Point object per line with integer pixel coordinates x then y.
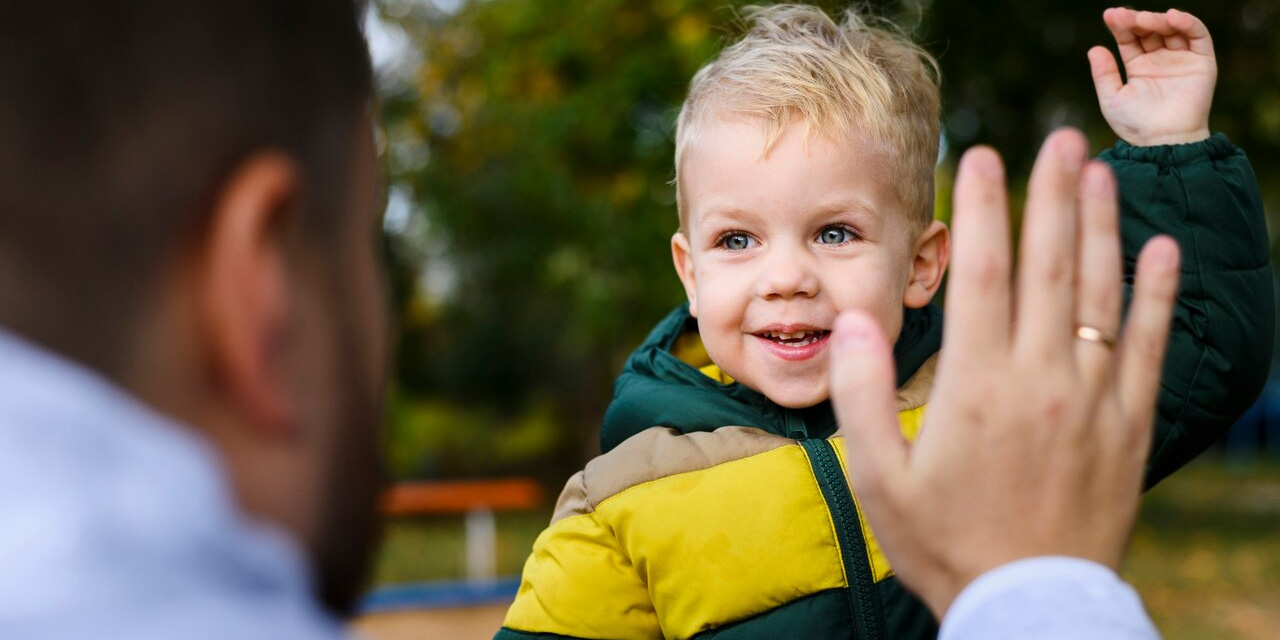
{"type": "Point", "coordinates": [786, 277]}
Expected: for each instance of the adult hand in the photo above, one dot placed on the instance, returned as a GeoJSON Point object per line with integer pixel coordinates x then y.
{"type": "Point", "coordinates": [1037, 431]}
{"type": "Point", "coordinates": [1168, 58]}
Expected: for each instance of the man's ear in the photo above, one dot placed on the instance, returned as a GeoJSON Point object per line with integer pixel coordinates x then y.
{"type": "Point", "coordinates": [682, 256]}
{"type": "Point", "coordinates": [932, 251]}
{"type": "Point", "coordinates": [242, 294]}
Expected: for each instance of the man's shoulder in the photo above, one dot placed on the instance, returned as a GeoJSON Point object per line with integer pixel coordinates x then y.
{"type": "Point", "coordinates": [102, 555]}
{"type": "Point", "coordinates": [119, 522]}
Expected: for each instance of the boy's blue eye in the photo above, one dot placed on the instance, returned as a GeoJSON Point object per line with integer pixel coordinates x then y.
{"type": "Point", "coordinates": [835, 235]}
{"type": "Point", "coordinates": [735, 241]}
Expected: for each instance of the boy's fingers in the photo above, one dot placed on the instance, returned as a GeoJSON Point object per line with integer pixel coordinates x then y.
{"type": "Point", "coordinates": [865, 401]}
{"type": "Point", "coordinates": [1171, 23]}
{"type": "Point", "coordinates": [1106, 73]}
{"type": "Point", "coordinates": [1046, 306]}
{"type": "Point", "coordinates": [1157, 23]}
{"type": "Point", "coordinates": [1176, 43]}
{"type": "Point", "coordinates": [1146, 331]}
{"type": "Point", "coordinates": [1099, 271]}
{"type": "Point", "coordinates": [1198, 39]}
{"type": "Point", "coordinates": [1151, 42]}
{"type": "Point", "coordinates": [1175, 30]}
{"type": "Point", "coordinates": [978, 309]}
{"type": "Point", "coordinates": [1121, 23]}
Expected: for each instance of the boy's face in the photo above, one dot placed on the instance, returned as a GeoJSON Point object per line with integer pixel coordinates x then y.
{"type": "Point", "coordinates": [776, 246]}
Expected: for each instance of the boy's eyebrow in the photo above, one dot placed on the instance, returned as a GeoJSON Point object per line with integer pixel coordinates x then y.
{"type": "Point", "coordinates": [853, 205]}
{"type": "Point", "coordinates": [850, 205]}
{"type": "Point", "coordinates": [727, 213]}
{"type": "Point", "coordinates": [736, 213]}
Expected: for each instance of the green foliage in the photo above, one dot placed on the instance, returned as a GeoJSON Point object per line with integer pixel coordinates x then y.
{"type": "Point", "coordinates": [534, 141]}
{"type": "Point", "coordinates": [548, 128]}
{"type": "Point", "coordinates": [432, 437]}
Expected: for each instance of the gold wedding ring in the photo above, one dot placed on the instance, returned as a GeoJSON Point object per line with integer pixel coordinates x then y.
{"type": "Point", "coordinates": [1094, 334]}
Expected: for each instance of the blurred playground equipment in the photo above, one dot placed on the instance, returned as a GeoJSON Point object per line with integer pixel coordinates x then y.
{"type": "Point", "coordinates": [458, 609]}
{"type": "Point", "coordinates": [1256, 437]}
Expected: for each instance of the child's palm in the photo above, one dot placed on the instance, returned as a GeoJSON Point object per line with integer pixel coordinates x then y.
{"type": "Point", "coordinates": [1171, 73]}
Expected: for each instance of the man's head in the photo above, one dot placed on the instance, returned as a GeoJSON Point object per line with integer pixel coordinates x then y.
{"type": "Point", "coordinates": [187, 205]}
{"type": "Point", "coordinates": [804, 159]}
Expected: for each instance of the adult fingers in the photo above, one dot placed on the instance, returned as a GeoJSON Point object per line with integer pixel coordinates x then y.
{"type": "Point", "coordinates": [1106, 73]}
{"type": "Point", "coordinates": [978, 305]}
{"type": "Point", "coordinates": [1098, 274]}
{"type": "Point", "coordinates": [1045, 308]}
{"type": "Point", "coordinates": [865, 401]}
{"type": "Point", "coordinates": [1146, 331]}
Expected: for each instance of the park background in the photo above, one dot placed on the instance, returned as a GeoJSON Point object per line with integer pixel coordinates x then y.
{"type": "Point", "coordinates": [528, 145]}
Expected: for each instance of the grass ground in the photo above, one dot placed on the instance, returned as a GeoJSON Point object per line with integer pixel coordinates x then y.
{"type": "Point", "coordinates": [1205, 555]}
{"type": "Point", "coordinates": [432, 548]}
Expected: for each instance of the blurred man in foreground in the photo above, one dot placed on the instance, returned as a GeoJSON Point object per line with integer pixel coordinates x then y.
{"type": "Point", "coordinates": [191, 329]}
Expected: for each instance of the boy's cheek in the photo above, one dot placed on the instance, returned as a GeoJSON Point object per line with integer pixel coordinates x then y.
{"type": "Point", "coordinates": [888, 315]}
{"type": "Point", "coordinates": [892, 326]}
{"type": "Point", "coordinates": [717, 296]}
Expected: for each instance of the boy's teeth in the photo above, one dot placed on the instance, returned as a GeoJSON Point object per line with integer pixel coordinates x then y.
{"type": "Point", "coordinates": [796, 335]}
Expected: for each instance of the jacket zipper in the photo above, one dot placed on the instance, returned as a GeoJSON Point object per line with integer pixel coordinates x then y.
{"type": "Point", "coordinates": [795, 424]}
{"type": "Point", "coordinates": [864, 602]}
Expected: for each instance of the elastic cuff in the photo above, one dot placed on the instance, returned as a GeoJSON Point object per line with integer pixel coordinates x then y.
{"type": "Point", "coordinates": [1214, 147]}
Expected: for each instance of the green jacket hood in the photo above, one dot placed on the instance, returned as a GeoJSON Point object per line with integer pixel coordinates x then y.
{"type": "Point", "coordinates": [657, 388]}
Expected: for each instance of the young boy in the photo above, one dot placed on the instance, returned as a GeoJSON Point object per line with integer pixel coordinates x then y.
{"type": "Point", "coordinates": [805, 157]}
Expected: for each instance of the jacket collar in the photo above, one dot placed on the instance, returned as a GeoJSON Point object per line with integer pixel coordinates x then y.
{"type": "Point", "coordinates": [657, 388]}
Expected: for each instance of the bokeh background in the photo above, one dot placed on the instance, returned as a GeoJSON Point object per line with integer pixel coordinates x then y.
{"type": "Point", "coordinates": [529, 149]}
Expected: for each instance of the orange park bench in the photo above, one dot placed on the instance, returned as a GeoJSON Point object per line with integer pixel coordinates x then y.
{"type": "Point", "coordinates": [478, 501]}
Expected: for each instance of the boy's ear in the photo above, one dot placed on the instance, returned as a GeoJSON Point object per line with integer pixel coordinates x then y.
{"type": "Point", "coordinates": [682, 256]}
{"type": "Point", "coordinates": [932, 251]}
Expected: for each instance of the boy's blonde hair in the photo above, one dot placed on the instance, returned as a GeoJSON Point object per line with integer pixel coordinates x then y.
{"type": "Point", "coordinates": [795, 64]}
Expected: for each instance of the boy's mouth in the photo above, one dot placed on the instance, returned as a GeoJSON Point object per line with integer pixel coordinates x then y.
{"type": "Point", "coordinates": [795, 339]}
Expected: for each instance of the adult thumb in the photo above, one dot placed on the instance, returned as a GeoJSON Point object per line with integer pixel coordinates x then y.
{"type": "Point", "coordinates": [865, 400]}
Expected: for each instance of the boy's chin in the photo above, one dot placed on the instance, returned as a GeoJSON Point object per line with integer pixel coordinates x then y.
{"type": "Point", "coordinates": [796, 396]}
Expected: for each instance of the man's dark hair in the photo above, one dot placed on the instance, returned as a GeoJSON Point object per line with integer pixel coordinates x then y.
{"type": "Point", "coordinates": [119, 121]}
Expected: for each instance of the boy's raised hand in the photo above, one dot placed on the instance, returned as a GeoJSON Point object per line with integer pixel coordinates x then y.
{"type": "Point", "coordinates": [1168, 59]}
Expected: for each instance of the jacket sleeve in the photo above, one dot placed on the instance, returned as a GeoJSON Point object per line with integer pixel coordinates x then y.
{"type": "Point", "coordinates": [579, 583]}
{"type": "Point", "coordinates": [1206, 196]}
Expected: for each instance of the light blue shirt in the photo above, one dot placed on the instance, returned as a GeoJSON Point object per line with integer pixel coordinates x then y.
{"type": "Point", "coordinates": [1048, 598]}
{"type": "Point", "coordinates": [115, 522]}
